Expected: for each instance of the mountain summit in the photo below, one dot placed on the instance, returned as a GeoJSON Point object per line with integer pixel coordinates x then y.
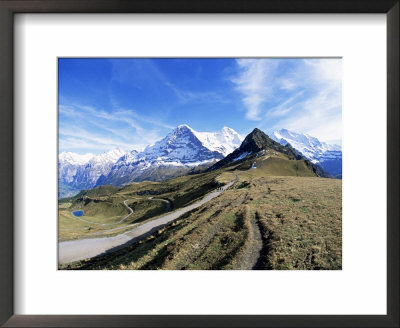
{"type": "Point", "coordinates": [180, 146]}
{"type": "Point", "coordinates": [180, 152]}
{"type": "Point", "coordinates": [259, 151]}
{"type": "Point", "coordinates": [255, 142]}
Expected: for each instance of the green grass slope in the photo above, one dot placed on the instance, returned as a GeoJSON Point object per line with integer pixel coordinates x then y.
{"type": "Point", "coordinates": [275, 166]}
{"type": "Point", "coordinates": [262, 222]}
{"type": "Point", "coordinates": [105, 205]}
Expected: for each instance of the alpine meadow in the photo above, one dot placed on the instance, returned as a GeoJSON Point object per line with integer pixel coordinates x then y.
{"type": "Point", "coordinates": [200, 164]}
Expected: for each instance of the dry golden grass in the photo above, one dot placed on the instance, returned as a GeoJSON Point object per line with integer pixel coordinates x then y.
{"type": "Point", "coordinates": [301, 221]}
{"type": "Point", "coordinates": [262, 222]}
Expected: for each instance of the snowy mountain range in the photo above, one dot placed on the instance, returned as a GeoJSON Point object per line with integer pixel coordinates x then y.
{"type": "Point", "coordinates": [329, 157]}
{"type": "Point", "coordinates": [83, 171]}
{"type": "Point", "coordinates": [182, 151]}
{"type": "Point", "coordinates": [178, 153]}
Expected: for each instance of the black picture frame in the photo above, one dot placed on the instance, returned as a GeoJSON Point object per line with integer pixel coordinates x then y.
{"type": "Point", "coordinates": [10, 7]}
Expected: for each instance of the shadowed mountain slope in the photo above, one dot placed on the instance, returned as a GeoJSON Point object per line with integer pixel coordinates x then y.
{"type": "Point", "coordinates": [257, 144]}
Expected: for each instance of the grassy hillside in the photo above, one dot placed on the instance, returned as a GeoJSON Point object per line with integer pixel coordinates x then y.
{"type": "Point", "coordinates": [104, 206]}
{"type": "Point", "coordinates": [95, 192]}
{"type": "Point", "coordinates": [263, 221]}
{"type": "Point", "coordinates": [275, 166]}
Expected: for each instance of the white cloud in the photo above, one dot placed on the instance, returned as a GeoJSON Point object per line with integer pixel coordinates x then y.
{"type": "Point", "coordinates": [131, 114]}
{"type": "Point", "coordinates": [76, 137]}
{"type": "Point", "coordinates": [285, 107]}
{"type": "Point", "coordinates": [70, 143]}
{"type": "Point", "coordinates": [303, 95]}
{"type": "Point", "coordinates": [84, 127]}
{"type": "Point", "coordinates": [254, 82]}
{"type": "Point", "coordinates": [288, 84]}
{"type": "Point", "coordinates": [136, 72]}
{"type": "Point", "coordinates": [327, 71]}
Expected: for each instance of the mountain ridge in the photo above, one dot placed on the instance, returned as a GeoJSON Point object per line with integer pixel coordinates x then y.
{"type": "Point", "coordinates": [254, 142]}
{"type": "Point", "coordinates": [258, 144]}
{"type": "Point", "coordinates": [185, 150]}
{"type": "Point", "coordinates": [82, 171]}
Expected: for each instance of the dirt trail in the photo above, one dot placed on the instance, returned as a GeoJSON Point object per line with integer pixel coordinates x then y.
{"type": "Point", "coordinates": [75, 250]}
{"type": "Point", "coordinates": [252, 253]}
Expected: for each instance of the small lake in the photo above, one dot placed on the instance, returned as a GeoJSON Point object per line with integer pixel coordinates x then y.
{"type": "Point", "coordinates": [77, 213]}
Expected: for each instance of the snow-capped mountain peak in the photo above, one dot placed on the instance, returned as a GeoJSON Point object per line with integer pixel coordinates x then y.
{"type": "Point", "coordinates": [110, 156]}
{"type": "Point", "coordinates": [184, 139]}
{"type": "Point", "coordinates": [306, 144]}
{"type": "Point", "coordinates": [183, 126]}
{"type": "Point", "coordinates": [83, 171]}
{"type": "Point", "coordinates": [327, 155]}
{"type": "Point", "coordinates": [75, 159]}
{"type": "Point", "coordinates": [224, 141]}
{"type": "Point", "coordinates": [128, 157]}
{"type": "Point", "coordinates": [181, 145]}
{"type": "Point", "coordinates": [178, 152]}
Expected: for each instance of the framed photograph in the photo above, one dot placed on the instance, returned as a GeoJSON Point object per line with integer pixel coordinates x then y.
{"type": "Point", "coordinates": [147, 182]}
{"type": "Point", "coordinates": [199, 164]}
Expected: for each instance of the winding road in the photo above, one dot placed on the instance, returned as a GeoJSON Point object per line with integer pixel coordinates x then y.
{"type": "Point", "coordinates": [129, 209]}
{"type": "Point", "coordinates": [75, 250]}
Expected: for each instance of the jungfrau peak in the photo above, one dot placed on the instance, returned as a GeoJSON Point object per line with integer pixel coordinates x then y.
{"type": "Point", "coordinates": [224, 141]}
{"type": "Point", "coordinates": [328, 156]}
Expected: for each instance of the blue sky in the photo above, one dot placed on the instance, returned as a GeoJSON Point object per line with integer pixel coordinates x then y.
{"type": "Point", "coordinates": [131, 103]}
